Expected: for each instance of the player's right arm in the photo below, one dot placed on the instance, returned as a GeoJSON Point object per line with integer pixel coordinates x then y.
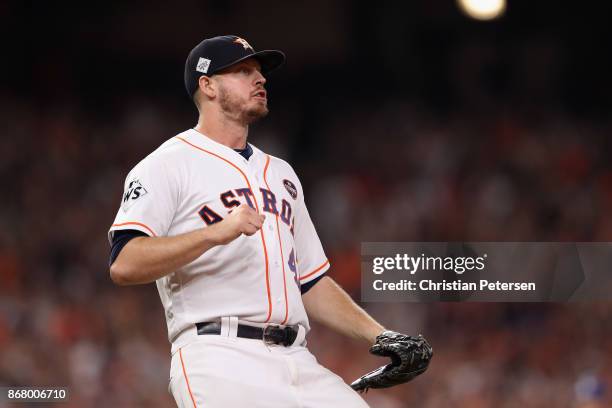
{"type": "Point", "coordinates": [146, 259]}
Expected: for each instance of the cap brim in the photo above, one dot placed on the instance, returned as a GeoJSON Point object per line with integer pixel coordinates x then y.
{"type": "Point", "coordinates": [269, 60]}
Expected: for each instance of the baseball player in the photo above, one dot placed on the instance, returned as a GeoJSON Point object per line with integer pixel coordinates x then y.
{"type": "Point", "coordinates": [223, 230]}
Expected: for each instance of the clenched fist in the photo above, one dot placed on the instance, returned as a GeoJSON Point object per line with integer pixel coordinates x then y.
{"type": "Point", "coordinates": [242, 220]}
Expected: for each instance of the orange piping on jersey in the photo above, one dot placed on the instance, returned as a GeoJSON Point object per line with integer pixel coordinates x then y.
{"type": "Point", "coordinates": [315, 271]}
{"type": "Point", "coordinates": [263, 240]}
{"type": "Point", "coordinates": [135, 223]}
{"type": "Point", "coordinates": [186, 379]}
{"type": "Point", "coordinates": [280, 244]}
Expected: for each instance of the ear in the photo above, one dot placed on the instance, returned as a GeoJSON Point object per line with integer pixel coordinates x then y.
{"type": "Point", "coordinates": [208, 86]}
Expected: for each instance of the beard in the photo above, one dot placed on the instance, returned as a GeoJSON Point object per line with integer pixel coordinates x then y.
{"type": "Point", "coordinates": [242, 110]}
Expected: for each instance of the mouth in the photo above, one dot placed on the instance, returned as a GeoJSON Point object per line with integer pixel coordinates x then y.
{"type": "Point", "coordinates": [261, 94]}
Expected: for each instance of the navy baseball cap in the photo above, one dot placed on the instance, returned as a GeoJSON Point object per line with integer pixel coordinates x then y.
{"type": "Point", "coordinates": [214, 54]}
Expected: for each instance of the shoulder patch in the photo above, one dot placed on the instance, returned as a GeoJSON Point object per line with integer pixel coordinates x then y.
{"type": "Point", "coordinates": [291, 189]}
{"type": "Point", "coordinates": [134, 191]}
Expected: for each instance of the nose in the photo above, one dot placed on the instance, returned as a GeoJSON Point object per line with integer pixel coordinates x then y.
{"type": "Point", "coordinates": [260, 80]}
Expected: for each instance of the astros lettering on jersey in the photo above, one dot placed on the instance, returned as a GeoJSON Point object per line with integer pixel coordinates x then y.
{"type": "Point", "coordinates": [190, 182]}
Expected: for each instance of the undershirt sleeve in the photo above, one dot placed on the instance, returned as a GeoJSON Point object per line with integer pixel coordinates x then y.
{"type": "Point", "coordinates": [120, 239]}
{"type": "Point", "coordinates": [308, 285]}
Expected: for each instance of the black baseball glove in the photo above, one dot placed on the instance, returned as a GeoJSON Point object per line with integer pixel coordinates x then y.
{"type": "Point", "coordinates": [409, 355]}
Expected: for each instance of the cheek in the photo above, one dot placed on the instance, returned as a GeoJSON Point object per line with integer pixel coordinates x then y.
{"type": "Point", "coordinates": [243, 90]}
{"type": "Point", "coordinates": [236, 90]}
{"type": "Point", "coordinates": [246, 93]}
{"type": "Point", "coordinates": [239, 94]}
{"type": "Point", "coordinates": [239, 86]}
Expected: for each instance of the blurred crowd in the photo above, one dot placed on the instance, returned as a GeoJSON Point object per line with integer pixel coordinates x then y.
{"type": "Point", "coordinates": [406, 122]}
{"type": "Point", "coordinates": [388, 171]}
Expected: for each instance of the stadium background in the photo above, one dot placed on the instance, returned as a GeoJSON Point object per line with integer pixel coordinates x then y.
{"type": "Point", "coordinates": [406, 121]}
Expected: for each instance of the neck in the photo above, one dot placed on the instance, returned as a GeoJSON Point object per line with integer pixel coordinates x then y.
{"type": "Point", "coordinates": [223, 130]}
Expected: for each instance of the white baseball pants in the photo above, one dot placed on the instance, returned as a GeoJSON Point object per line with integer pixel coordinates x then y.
{"type": "Point", "coordinates": [231, 372]}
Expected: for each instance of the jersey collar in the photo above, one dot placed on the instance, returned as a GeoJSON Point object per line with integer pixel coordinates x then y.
{"type": "Point", "coordinates": [247, 152]}
{"type": "Point", "coordinates": [205, 142]}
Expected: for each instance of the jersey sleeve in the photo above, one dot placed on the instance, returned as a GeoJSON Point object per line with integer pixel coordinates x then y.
{"type": "Point", "coordinates": [149, 200]}
{"type": "Point", "coordinates": [311, 259]}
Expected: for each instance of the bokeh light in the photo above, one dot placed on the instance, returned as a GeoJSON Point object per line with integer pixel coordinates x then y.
{"type": "Point", "coordinates": [483, 9]}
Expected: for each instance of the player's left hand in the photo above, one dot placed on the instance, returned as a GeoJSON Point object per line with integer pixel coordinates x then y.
{"type": "Point", "coordinates": [409, 355]}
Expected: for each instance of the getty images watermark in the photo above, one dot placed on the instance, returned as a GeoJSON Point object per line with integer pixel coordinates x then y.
{"type": "Point", "coordinates": [459, 265]}
{"type": "Point", "coordinates": [490, 271]}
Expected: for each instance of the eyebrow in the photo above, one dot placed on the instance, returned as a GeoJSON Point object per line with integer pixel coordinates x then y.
{"type": "Point", "coordinates": [254, 64]}
{"type": "Point", "coordinates": [245, 64]}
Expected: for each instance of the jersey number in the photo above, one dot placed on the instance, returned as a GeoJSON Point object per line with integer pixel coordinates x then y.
{"type": "Point", "coordinates": [292, 267]}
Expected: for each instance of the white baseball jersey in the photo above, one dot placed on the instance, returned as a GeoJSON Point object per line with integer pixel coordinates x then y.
{"type": "Point", "coordinates": [190, 182]}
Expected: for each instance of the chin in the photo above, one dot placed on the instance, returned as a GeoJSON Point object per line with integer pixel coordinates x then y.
{"type": "Point", "coordinates": [257, 113]}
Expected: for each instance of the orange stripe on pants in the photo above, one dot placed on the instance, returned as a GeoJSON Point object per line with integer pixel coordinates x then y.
{"type": "Point", "coordinates": [186, 379]}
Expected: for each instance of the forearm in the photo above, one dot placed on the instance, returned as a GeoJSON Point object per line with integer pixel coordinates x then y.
{"type": "Point", "coordinates": [329, 304]}
{"type": "Point", "coordinates": [146, 259]}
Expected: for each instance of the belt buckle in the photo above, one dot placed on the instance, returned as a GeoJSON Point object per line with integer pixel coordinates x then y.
{"type": "Point", "coordinates": [267, 336]}
{"type": "Point", "coordinates": [275, 334]}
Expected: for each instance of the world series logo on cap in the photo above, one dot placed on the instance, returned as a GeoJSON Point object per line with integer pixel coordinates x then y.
{"type": "Point", "coordinates": [203, 64]}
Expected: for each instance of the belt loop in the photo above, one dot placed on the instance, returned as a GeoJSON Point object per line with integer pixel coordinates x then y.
{"type": "Point", "coordinates": [225, 327]}
{"type": "Point", "coordinates": [233, 326]}
{"type": "Point", "coordinates": [301, 336]}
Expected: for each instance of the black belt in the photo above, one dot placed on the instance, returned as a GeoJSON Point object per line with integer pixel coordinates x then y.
{"type": "Point", "coordinates": [270, 334]}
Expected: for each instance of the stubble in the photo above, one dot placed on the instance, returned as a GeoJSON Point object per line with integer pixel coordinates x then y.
{"type": "Point", "coordinates": [241, 110]}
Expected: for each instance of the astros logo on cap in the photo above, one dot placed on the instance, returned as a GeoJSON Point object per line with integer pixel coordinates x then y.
{"type": "Point", "coordinates": [243, 42]}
